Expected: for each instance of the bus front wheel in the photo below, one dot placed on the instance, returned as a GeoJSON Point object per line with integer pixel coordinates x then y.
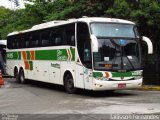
{"type": "Point", "coordinates": [69, 84]}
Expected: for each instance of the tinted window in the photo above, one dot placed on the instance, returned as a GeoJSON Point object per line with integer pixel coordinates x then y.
{"type": "Point", "coordinates": [35, 39]}
{"type": "Point", "coordinates": [83, 44]}
{"type": "Point", "coordinates": [61, 35]}
{"type": "Point", "coordinates": [45, 38]}
{"type": "Point", "coordinates": [70, 34]}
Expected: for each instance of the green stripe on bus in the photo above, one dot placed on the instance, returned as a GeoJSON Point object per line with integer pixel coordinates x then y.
{"type": "Point", "coordinates": [28, 55]}
{"type": "Point", "coordinates": [73, 54]}
{"type": "Point", "coordinates": [31, 65]}
{"type": "Point", "coordinates": [46, 55]}
{"type": "Point", "coordinates": [19, 55]}
{"type": "Point", "coordinates": [127, 74]}
{"type": "Point", "coordinates": [97, 74]}
{"type": "Point", "coordinates": [119, 74]}
{"type": "Point", "coordinates": [59, 55]}
{"type": "Point", "coordinates": [123, 74]}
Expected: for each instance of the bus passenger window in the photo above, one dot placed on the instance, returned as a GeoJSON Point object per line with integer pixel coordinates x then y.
{"type": "Point", "coordinates": [45, 42]}
{"type": "Point", "coordinates": [70, 34]}
{"type": "Point", "coordinates": [58, 41]}
{"type": "Point", "coordinates": [34, 43]}
{"type": "Point", "coordinates": [73, 40]}
{"type": "Point", "coordinates": [27, 44]}
{"type": "Point", "coordinates": [45, 38]}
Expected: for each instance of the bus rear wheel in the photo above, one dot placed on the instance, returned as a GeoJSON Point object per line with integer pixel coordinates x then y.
{"type": "Point", "coordinates": [69, 84]}
{"type": "Point", "coordinates": [16, 75]}
{"type": "Point", "coordinates": [21, 76]}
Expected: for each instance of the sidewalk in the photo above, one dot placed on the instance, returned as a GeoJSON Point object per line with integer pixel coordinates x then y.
{"type": "Point", "coordinates": [150, 87]}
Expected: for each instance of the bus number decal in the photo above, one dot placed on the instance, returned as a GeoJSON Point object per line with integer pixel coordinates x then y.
{"type": "Point", "coordinates": [9, 55]}
{"type": "Point", "coordinates": [136, 73]}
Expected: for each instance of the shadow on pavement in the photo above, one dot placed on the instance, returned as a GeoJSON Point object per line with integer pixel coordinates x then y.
{"type": "Point", "coordinates": [81, 92]}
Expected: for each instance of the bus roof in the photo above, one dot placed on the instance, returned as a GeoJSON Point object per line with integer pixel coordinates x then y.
{"type": "Point", "coordinates": [60, 22]}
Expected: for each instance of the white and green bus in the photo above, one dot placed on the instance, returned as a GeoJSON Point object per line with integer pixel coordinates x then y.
{"type": "Point", "coordinates": [88, 53]}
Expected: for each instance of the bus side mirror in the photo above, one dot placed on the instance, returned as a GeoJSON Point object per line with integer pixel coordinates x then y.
{"type": "Point", "coordinates": [94, 43]}
{"type": "Point", "coordinates": [149, 44]}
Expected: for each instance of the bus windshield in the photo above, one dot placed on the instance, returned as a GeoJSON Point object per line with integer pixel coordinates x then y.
{"type": "Point", "coordinates": [114, 30]}
{"type": "Point", "coordinates": [118, 47]}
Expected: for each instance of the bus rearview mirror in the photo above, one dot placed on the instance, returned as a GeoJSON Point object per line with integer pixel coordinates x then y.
{"type": "Point", "coordinates": [94, 42]}
{"type": "Point", "coordinates": [149, 44]}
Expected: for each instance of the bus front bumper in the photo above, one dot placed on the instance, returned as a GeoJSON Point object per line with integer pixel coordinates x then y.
{"type": "Point", "coordinates": [116, 85]}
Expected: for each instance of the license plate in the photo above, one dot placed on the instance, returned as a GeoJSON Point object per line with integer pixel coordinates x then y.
{"type": "Point", "coordinates": [122, 85]}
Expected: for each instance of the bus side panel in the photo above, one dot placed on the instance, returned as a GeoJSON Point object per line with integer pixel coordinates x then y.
{"type": "Point", "coordinates": [39, 71]}
{"type": "Point", "coordinates": [88, 78]}
{"type": "Point", "coordinates": [10, 68]}
{"type": "Point", "coordinates": [11, 64]}
{"type": "Point", "coordinates": [79, 76]}
{"type": "Point", "coordinates": [68, 66]}
{"type": "Point", "coordinates": [55, 72]}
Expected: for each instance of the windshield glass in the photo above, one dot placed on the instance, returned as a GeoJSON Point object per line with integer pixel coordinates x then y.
{"type": "Point", "coordinates": [118, 46]}
{"type": "Point", "coordinates": [114, 30]}
{"type": "Point", "coordinates": [117, 54]}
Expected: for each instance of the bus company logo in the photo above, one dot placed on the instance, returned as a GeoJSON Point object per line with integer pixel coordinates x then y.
{"type": "Point", "coordinates": [55, 65]}
{"type": "Point", "coordinates": [61, 56]}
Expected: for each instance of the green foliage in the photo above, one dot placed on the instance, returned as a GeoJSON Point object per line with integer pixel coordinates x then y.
{"type": "Point", "coordinates": [120, 9]}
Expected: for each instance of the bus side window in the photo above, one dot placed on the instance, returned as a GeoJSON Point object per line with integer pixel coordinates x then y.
{"type": "Point", "coordinates": [9, 42]}
{"type": "Point", "coordinates": [70, 34]}
{"type": "Point", "coordinates": [35, 40]}
{"type": "Point", "coordinates": [58, 41]}
{"type": "Point", "coordinates": [56, 37]}
{"type": "Point", "coordinates": [21, 44]}
{"type": "Point", "coordinates": [27, 41]}
{"type": "Point", "coordinates": [45, 36]}
{"type": "Point", "coordinates": [17, 43]}
{"type": "Point", "coordinates": [73, 40]}
{"type": "Point", "coordinates": [13, 43]}
{"type": "Point", "coordinates": [52, 39]}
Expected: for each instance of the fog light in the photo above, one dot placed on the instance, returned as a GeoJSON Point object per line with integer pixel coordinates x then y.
{"type": "Point", "coordinates": [98, 85]}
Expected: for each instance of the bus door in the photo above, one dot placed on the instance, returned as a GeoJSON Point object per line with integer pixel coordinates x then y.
{"type": "Point", "coordinates": [84, 52]}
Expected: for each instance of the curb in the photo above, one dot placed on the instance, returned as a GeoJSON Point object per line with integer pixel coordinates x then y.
{"type": "Point", "coordinates": [149, 88]}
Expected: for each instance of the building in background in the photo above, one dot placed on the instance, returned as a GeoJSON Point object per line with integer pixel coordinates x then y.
{"type": "Point", "coordinates": [13, 4]}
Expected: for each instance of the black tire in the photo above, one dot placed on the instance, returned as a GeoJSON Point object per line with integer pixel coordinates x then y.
{"type": "Point", "coordinates": [16, 75]}
{"type": "Point", "coordinates": [69, 84]}
{"type": "Point", "coordinates": [21, 76]}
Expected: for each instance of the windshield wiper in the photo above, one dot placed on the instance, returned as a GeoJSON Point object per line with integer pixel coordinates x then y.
{"type": "Point", "coordinates": [129, 60]}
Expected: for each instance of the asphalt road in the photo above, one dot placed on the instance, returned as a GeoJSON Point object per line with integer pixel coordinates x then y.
{"type": "Point", "coordinates": [42, 98]}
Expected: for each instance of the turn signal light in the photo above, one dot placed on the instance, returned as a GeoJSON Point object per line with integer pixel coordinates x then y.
{"type": "Point", "coordinates": [107, 74]}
